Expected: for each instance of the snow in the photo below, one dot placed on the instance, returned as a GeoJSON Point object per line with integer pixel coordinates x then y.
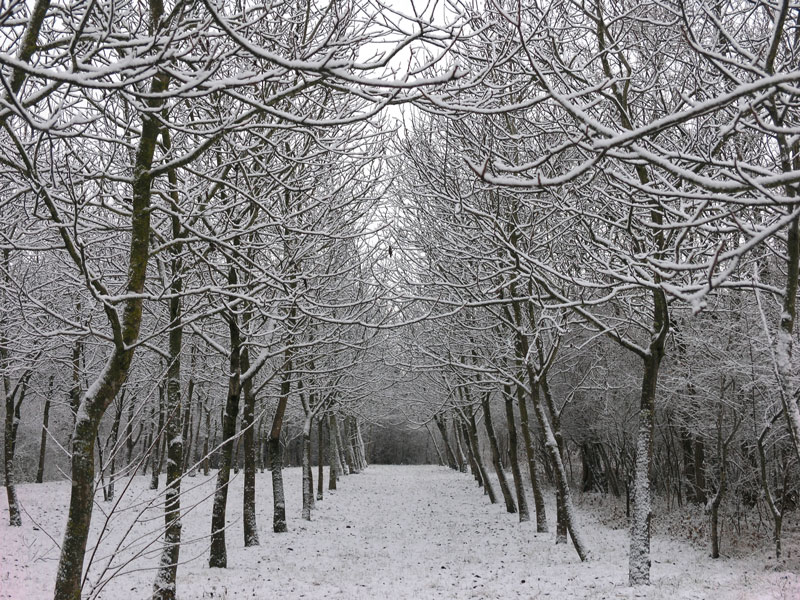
{"type": "Point", "coordinates": [389, 532]}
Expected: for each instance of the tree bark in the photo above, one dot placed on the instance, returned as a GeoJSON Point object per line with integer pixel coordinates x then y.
{"type": "Point", "coordinates": [560, 473]}
{"type": "Point", "coordinates": [538, 497]}
{"type": "Point", "coordinates": [320, 454]}
{"type": "Point", "coordinates": [639, 555]}
{"type": "Point", "coordinates": [112, 468]}
{"type": "Point", "coordinates": [276, 460]}
{"type": "Point", "coordinates": [498, 467]}
{"type": "Point", "coordinates": [219, 555]}
{"type": "Point", "coordinates": [333, 453]}
{"type": "Point", "coordinates": [522, 502]}
{"type": "Point", "coordinates": [308, 484]}
{"type": "Point", "coordinates": [43, 441]}
{"type": "Point", "coordinates": [250, 524]}
{"type": "Point", "coordinates": [488, 488]}
{"type": "Point", "coordinates": [451, 457]}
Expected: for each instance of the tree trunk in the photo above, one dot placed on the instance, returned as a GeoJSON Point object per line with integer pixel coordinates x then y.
{"type": "Point", "coordinates": [320, 454]}
{"type": "Point", "coordinates": [639, 555]}
{"type": "Point", "coordinates": [219, 556]}
{"type": "Point", "coordinates": [700, 492]}
{"type": "Point", "coordinates": [473, 465]}
{"type": "Point", "coordinates": [43, 442]}
{"type": "Point", "coordinates": [362, 449]}
{"type": "Point", "coordinates": [165, 584]}
{"type": "Point", "coordinates": [276, 460]}
{"type": "Point", "coordinates": [538, 497]}
{"type": "Point", "coordinates": [451, 457]}
{"type": "Point", "coordinates": [206, 449]}
{"type": "Point", "coordinates": [350, 454]}
{"type": "Point", "coordinates": [343, 466]}
{"type": "Point", "coordinates": [10, 441]}
{"type": "Point", "coordinates": [159, 436]}
{"type": "Point", "coordinates": [488, 488]}
{"type": "Point", "coordinates": [560, 473]}
{"type": "Point", "coordinates": [308, 485]}
{"type": "Point", "coordinates": [109, 494]}
{"type": "Point", "coordinates": [522, 502]}
{"type": "Point", "coordinates": [250, 524]}
{"type": "Point", "coordinates": [501, 475]}
{"type": "Point", "coordinates": [461, 460]}
{"type": "Point", "coordinates": [333, 453]}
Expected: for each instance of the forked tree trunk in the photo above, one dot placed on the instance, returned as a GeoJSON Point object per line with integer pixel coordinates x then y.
{"type": "Point", "coordinates": [219, 555]}
{"type": "Point", "coordinates": [522, 501]}
{"type": "Point", "coordinates": [107, 386]}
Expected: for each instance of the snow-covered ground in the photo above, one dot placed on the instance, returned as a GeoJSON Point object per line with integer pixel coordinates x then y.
{"type": "Point", "coordinates": [390, 532]}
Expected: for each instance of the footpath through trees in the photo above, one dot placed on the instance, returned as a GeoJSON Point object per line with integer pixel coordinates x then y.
{"type": "Point", "coordinates": [392, 532]}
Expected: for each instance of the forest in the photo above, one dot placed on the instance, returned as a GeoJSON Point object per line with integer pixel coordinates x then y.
{"type": "Point", "coordinates": [552, 246]}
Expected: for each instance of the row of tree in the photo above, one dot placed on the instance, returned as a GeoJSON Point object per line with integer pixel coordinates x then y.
{"type": "Point", "coordinates": [591, 215]}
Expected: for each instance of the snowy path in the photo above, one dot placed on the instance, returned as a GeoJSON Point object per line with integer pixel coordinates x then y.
{"type": "Point", "coordinates": [391, 532]}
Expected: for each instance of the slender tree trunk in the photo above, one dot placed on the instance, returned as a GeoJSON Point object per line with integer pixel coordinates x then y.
{"type": "Point", "coordinates": [188, 419]}
{"type": "Point", "coordinates": [522, 501]}
{"type": "Point", "coordinates": [159, 436]}
{"type": "Point", "coordinates": [473, 465]}
{"type": "Point", "coordinates": [219, 555]}
{"type": "Point", "coordinates": [10, 440]}
{"type": "Point", "coordinates": [461, 460]}
{"type": "Point", "coordinates": [248, 426]}
{"type": "Point", "coordinates": [320, 454]}
{"type": "Point", "coordinates": [451, 457]}
{"type": "Point", "coordinates": [349, 451]}
{"type": "Point", "coordinates": [43, 441]}
{"type": "Point", "coordinates": [333, 453]}
{"type": "Point", "coordinates": [361, 446]}
{"type": "Point", "coordinates": [308, 484]}
{"type": "Point", "coordinates": [488, 488]}
{"type": "Point", "coordinates": [340, 448]}
{"type": "Point", "coordinates": [276, 460]}
{"type": "Point", "coordinates": [639, 555]}
{"type": "Point", "coordinates": [501, 475]}
{"type": "Point", "coordinates": [206, 449]}
{"type": "Point", "coordinates": [538, 497]}
{"type": "Point", "coordinates": [560, 473]}
{"type": "Point", "coordinates": [112, 468]}
{"type": "Point", "coordinates": [195, 460]}
{"type": "Point", "coordinates": [165, 584]}
{"type": "Point", "coordinates": [439, 455]}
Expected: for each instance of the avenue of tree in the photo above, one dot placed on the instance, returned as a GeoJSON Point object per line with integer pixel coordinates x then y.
{"type": "Point", "coordinates": [223, 248]}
